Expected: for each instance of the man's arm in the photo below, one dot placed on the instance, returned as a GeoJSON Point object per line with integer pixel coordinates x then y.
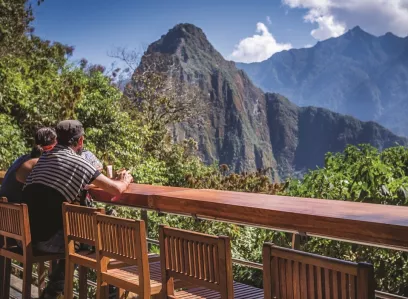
{"type": "Point", "coordinates": [111, 186]}
{"type": "Point", "coordinates": [24, 170]}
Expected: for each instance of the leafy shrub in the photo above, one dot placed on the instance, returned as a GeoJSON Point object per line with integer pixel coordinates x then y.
{"type": "Point", "coordinates": [11, 141]}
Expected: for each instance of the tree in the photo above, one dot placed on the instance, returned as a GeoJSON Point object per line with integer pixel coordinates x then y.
{"type": "Point", "coordinates": [158, 91]}
{"type": "Point", "coordinates": [360, 173]}
{"type": "Point", "coordinates": [15, 19]}
{"type": "Point", "coordinates": [12, 144]}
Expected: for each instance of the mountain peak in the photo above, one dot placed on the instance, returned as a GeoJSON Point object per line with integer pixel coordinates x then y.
{"type": "Point", "coordinates": [357, 32]}
{"type": "Point", "coordinates": [180, 34]}
{"type": "Point", "coordinates": [357, 29]}
{"type": "Point", "coordinates": [189, 45]}
{"type": "Point", "coordinates": [390, 34]}
{"type": "Point", "coordinates": [188, 30]}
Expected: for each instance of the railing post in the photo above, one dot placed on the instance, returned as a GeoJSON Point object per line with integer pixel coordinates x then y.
{"type": "Point", "coordinates": [297, 240]}
{"type": "Point", "coordinates": [145, 218]}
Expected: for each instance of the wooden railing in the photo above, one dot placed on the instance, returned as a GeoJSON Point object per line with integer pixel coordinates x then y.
{"type": "Point", "coordinates": [371, 224]}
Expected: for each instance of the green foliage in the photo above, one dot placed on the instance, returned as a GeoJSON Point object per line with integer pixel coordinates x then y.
{"type": "Point", "coordinates": [360, 173]}
{"type": "Point", "coordinates": [363, 174]}
{"type": "Point", "coordinates": [15, 18]}
{"type": "Point", "coordinates": [110, 132]}
{"type": "Point", "coordinates": [223, 179]}
{"type": "Point", "coordinates": [11, 141]}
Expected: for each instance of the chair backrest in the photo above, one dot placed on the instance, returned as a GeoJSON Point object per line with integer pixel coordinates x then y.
{"type": "Point", "coordinates": [200, 259]}
{"type": "Point", "coordinates": [123, 240]}
{"type": "Point", "coordinates": [14, 223]}
{"type": "Point", "coordinates": [78, 223]}
{"type": "Point", "coordinates": [291, 274]}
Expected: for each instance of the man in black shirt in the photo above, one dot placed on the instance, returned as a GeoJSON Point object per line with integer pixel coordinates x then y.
{"type": "Point", "coordinates": [60, 175]}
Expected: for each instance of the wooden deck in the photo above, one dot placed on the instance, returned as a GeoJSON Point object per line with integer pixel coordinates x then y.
{"type": "Point", "coordinates": [16, 285]}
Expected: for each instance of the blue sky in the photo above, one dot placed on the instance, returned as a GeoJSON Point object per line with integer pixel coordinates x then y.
{"type": "Point", "coordinates": [95, 27]}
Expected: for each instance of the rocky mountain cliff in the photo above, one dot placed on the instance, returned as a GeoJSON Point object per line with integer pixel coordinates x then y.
{"type": "Point", "coordinates": [356, 74]}
{"type": "Point", "coordinates": [235, 128]}
{"type": "Point", "coordinates": [246, 128]}
{"type": "Point", "coordinates": [301, 136]}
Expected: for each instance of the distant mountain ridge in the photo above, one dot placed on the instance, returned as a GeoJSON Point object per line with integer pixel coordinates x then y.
{"type": "Point", "coordinates": [301, 136]}
{"type": "Point", "coordinates": [248, 129]}
{"type": "Point", "coordinates": [356, 74]}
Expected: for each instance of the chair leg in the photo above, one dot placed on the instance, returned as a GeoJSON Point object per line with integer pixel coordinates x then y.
{"type": "Point", "coordinates": [102, 288]}
{"type": "Point", "coordinates": [121, 293]}
{"type": "Point", "coordinates": [83, 282]}
{"type": "Point", "coordinates": [41, 278]}
{"type": "Point", "coordinates": [27, 277]}
{"type": "Point", "coordinates": [69, 280]}
{"type": "Point", "coordinates": [5, 272]}
{"type": "Point", "coordinates": [2, 276]}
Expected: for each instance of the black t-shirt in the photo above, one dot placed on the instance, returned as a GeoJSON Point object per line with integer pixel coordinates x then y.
{"type": "Point", "coordinates": [44, 207]}
{"type": "Point", "coordinates": [59, 176]}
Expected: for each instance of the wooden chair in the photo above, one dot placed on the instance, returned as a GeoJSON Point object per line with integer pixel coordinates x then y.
{"type": "Point", "coordinates": [78, 227]}
{"type": "Point", "coordinates": [202, 260]}
{"type": "Point", "coordinates": [15, 226]}
{"type": "Point", "coordinates": [292, 274]}
{"type": "Point", "coordinates": [124, 240]}
{"type": "Point", "coordinates": [5, 268]}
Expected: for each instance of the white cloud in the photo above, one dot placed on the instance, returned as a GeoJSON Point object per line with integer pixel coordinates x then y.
{"type": "Point", "coordinates": [259, 47]}
{"type": "Point", "coordinates": [328, 27]}
{"type": "Point", "coordinates": [268, 20]}
{"type": "Point", "coordinates": [334, 17]}
{"type": "Point", "coordinates": [308, 46]}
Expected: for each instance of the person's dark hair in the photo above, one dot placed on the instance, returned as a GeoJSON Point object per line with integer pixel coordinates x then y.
{"type": "Point", "coordinates": [36, 151]}
{"type": "Point", "coordinates": [72, 142]}
{"type": "Point", "coordinates": [45, 136]}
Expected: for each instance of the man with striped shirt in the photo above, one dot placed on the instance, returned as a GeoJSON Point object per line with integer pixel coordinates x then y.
{"type": "Point", "coordinates": [60, 175]}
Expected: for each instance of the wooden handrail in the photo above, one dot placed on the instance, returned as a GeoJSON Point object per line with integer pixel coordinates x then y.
{"type": "Point", "coordinates": [372, 224]}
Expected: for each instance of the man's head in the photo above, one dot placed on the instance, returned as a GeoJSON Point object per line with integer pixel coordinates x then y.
{"type": "Point", "coordinates": [71, 133]}
{"type": "Point", "coordinates": [45, 140]}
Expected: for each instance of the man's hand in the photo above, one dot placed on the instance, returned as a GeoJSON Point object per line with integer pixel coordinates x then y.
{"type": "Point", "coordinates": [125, 176]}
{"type": "Point", "coordinates": [114, 187]}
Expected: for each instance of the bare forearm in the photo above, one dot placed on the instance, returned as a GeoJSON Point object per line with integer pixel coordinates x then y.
{"type": "Point", "coordinates": [111, 186]}
{"type": "Point", "coordinates": [120, 187]}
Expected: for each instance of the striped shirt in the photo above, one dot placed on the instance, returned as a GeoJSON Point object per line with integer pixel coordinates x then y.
{"type": "Point", "coordinates": [59, 176]}
{"type": "Point", "coordinates": [63, 170]}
